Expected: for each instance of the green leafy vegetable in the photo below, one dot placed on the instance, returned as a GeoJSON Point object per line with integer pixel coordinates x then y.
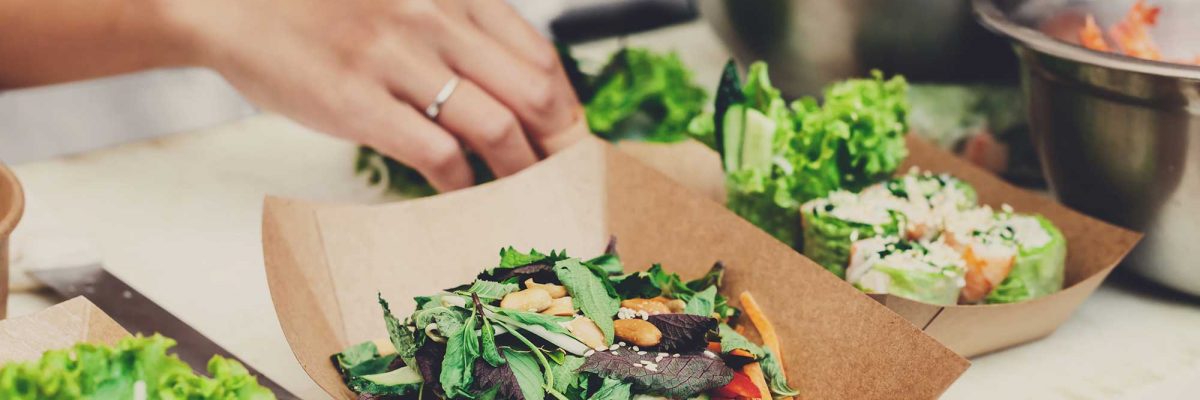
{"type": "Point", "coordinates": [492, 291]}
{"type": "Point", "coordinates": [361, 359]}
{"type": "Point", "coordinates": [774, 374]}
{"type": "Point", "coordinates": [564, 373]}
{"type": "Point", "coordinates": [529, 376]}
{"type": "Point", "coordinates": [779, 156]}
{"type": "Point", "coordinates": [703, 303]}
{"type": "Point", "coordinates": [462, 347]}
{"type": "Point", "coordinates": [590, 294]}
{"type": "Point", "coordinates": [731, 340]}
{"type": "Point", "coordinates": [613, 389]}
{"type": "Point", "coordinates": [644, 95]}
{"type": "Point", "coordinates": [404, 342]}
{"type": "Point", "coordinates": [88, 371]}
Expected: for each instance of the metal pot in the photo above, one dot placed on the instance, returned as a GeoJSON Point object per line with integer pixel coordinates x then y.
{"type": "Point", "coordinates": [810, 43]}
{"type": "Point", "coordinates": [1119, 137]}
{"type": "Point", "coordinates": [12, 204]}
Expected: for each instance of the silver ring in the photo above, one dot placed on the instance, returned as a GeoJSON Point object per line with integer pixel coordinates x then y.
{"type": "Point", "coordinates": [436, 108]}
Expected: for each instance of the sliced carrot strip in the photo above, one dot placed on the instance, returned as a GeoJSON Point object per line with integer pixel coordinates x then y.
{"type": "Point", "coordinates": [755, 372]}
{"type": "Point", "coordinates": [762, 324]}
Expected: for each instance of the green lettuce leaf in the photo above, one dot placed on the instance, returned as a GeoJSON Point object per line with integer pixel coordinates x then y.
{"type": "Point", "coordinates": [361, 359]}
{"type": "Point", "coordinates": [492, 291]}
{"type": "Point", "coordinates": [529, 375]}
{"type": "Point", "coordinates": [88, 371]}
{"type": "Point", "coordinates": [702, 303]}
{"type": "Point", "coordinates": [644, 95]}
{"type": "Point", "coordinates": [731, 340]}
{"type": "Point", "coordinates": [462, 348]}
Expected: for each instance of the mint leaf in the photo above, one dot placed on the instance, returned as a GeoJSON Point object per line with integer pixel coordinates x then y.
{"type": "Point", "coordinates": [682, 333]}
{"type": "Point", "coordinates": [511, 258]}
{"type": "Point", "coordinates": [713, 277]}
{"type": "Point", "coordinates": [590, 294]}
{"type": "Point", "coordinates": [361, 359]}
{"type": "Point", "coordinates": [774, 374]}
{"type": "Point", "coordinates": [609, 263]}
{"type": "Point", "coordinates": [703, 303]}
{"type": "Point", "coordinates": [402, 339]}
{"type": "Point", "coordinates": [488, 347]}
{"type": "Point", "coordinates": [731, 340]}
{"type": "Point", "coordinates": [675, 377]}
{"type": "Point", "coordinates": [564, 373]}
{"type": "Point", "coordinates": [529, 376]}
{"type": "Point", "coordinates": [462, 347]}
{"type": "Point", "coordinates": [613, 389]}
{"type": "Point", "coordinates": [491, 291]}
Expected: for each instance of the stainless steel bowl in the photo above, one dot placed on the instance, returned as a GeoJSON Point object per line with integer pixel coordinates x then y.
{"type": "Point", "coordinates": [1119, 137]}
{"type": "Point", "coordinates": [809, 43]}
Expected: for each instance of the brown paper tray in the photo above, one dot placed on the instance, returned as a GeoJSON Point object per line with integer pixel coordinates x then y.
{"type": "Point", "coordinates": [60, 326]}
{"type": "Point", "coordinates": [1094, 248]}
{"type": "Point", "coordinates": [326, 262]}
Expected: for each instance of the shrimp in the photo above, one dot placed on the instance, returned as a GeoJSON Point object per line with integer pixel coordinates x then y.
{"type": "Point", "coordinates": [1092, 37]}
{"type": "Point", "coordinates": [987, 266]}
{"type": "Point", "coordinates": [1132, 34]}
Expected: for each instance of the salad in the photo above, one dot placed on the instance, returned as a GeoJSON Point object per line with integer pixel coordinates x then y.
{"type": "Point", "coordinates": [542, 326]}
{"type": "Point", "coordinates": [923, 236]}
{"type": "Point", "coordinates": [136, 368]}
{"type": "Point", "coordinates": [778, 155]}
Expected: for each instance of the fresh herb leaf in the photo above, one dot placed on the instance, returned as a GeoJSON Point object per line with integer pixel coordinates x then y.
{"type": "Point", "coordinates": [643, 95]}
{"type": "Point", "coordinates": [703, 303]}
{"type": "Point", "coordinates": [511, 258]}
{"type": "Point", "coordinates": [774, 374]}
{"type": "Point", "coordinates": [361, 359]}
{"type": "Point", "coordinates": [488, 348]}
{"type": "Point", "coordinates": [522, 319]}
{"type": "Point", "coordinates": [675, 377]}
{"type": "Point", "coordinates": [448, 319]}
{"type": "Point", "coordinates": [564, 373]}
{"type": "Point", "coordinates": [613, 389]}
{"type": "Point", "coordinates": [402, 339]}
{"type": "Point", "coordinates": [462, 347]}
{"type": "Point", "coordinates": [492, 291]}
{"type": "Point", "coordinates": [682, 333]}
{"type": "Point", "coordinates": [591, 294]}
{"type": "Point", "coordinates": [731, 340]}
{"type": "Point", "coordinates": [500, 377]}
{"type": "Point", "coordinates": [525, 366]}
{"type": "Point", "coordinates": [609, 263]}
{"type": "Point", "coordinates": [713, 277]}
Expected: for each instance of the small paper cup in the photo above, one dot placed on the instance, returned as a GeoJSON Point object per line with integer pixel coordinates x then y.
{"type": "Point", "coordinates": [12, 204]}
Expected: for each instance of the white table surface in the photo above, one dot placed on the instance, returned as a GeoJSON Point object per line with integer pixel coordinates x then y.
{"type": "Point", "coordinates": [179, 218]}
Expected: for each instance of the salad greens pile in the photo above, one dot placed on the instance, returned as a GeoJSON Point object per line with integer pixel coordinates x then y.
{"type": "Point", "coordinates": [551, 326]}
{"type": "Point", "coordinates": [778, 155]}
{"type": "Point", "coordinates": [638, 95]}
{"type": "Point", "coordinates": [136, 368]}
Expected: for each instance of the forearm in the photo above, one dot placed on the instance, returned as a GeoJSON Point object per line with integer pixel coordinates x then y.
{"type": "Point", "coordinates": [51, 41]}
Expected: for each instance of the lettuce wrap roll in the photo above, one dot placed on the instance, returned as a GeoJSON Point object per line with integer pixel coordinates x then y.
{"type": "Point", "coordinates": [1010, 257]}
{"type": "Point", "coordinates": [930, 272]}
{"type": "Point", "coordinates": [832, 223]}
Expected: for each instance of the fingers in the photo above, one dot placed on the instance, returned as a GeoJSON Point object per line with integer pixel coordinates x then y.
{"type": "Point", "coordinates": [470, 113]}
{"type": "Point", "coordinates": [403, 133]}
{"type": "Point", "coordinates": [526, 77]}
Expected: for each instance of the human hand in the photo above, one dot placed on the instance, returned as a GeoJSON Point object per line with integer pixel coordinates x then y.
{"type": "Point", "coordinates": [365, 70]}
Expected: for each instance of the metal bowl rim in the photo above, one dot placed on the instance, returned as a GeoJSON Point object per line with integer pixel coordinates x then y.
{"type": "Point", "coordinates": [995, 20]}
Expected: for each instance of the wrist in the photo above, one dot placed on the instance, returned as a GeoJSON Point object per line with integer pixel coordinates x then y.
{"type": "Point", "coordinates": [181, 30]}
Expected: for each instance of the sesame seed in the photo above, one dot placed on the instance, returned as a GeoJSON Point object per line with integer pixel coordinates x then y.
{"type": "Point", "coordinates": [614, 347]}
{"type": "Point", "coordinates": [635, 348]}
{"type": "Point", "coordinates": [652, 368]}
{"type": "Point", "coordinates": [676, 355]}
{"type": "Point", "coordinates": [601, 348]}
{"type": "Point", "coordinates": [615, 352]}
{"type": "Point", "coordinates": [622, 344]}
{"type": "Point", "coordinates": [641, 353]}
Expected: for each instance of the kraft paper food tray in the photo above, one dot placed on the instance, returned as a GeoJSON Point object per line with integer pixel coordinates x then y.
{"type": "Point", "coordinates": [326, 262]}
{"type": "Point", "coordinates": [60, 326]}
{"type": "Point", "coordinates": [1094, 248]}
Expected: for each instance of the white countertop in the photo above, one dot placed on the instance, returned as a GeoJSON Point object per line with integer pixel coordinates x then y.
{"type": "Point", "coordinates": [179, 218]}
